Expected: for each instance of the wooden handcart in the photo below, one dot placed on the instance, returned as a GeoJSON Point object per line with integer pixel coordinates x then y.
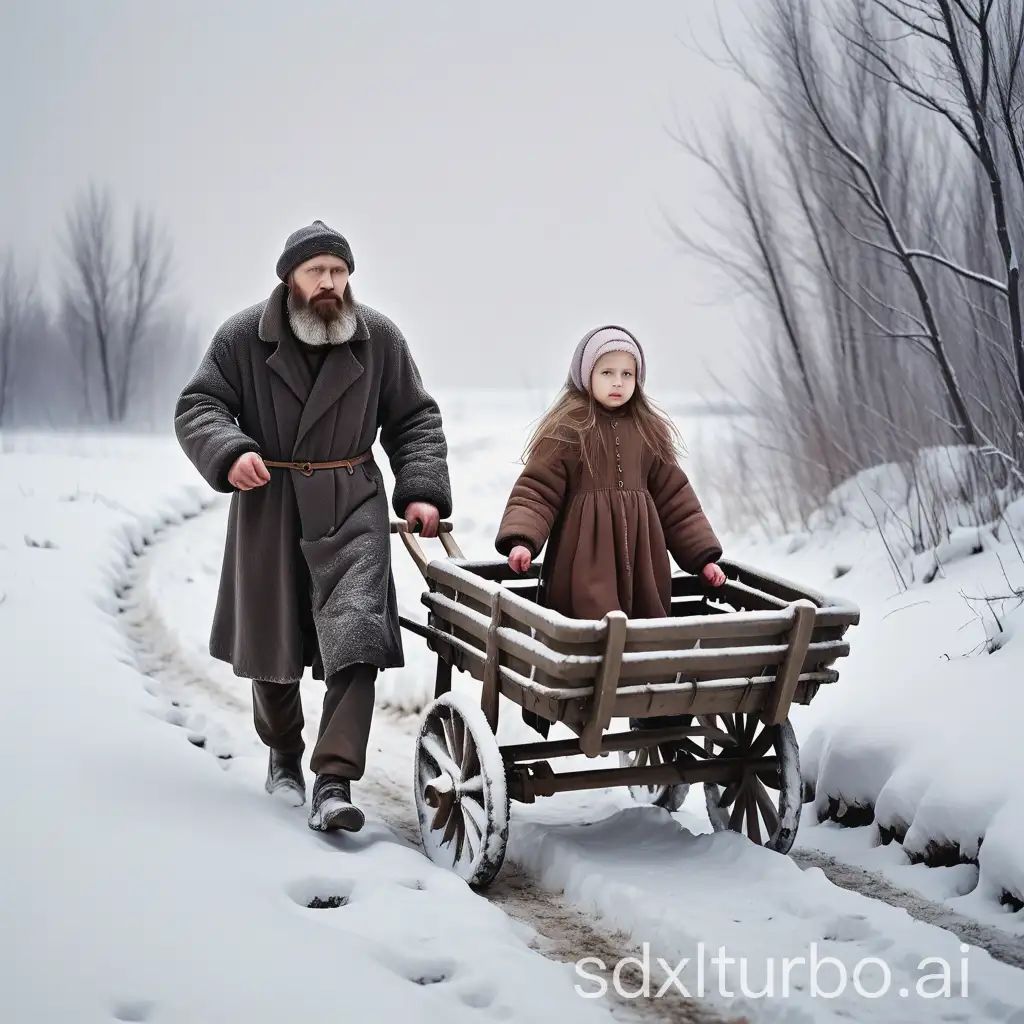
{"type": "Point", "coordinates": [707, 693]}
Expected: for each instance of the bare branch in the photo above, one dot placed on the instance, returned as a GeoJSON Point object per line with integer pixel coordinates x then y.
{"type": "Point", "coordinates": [112, 299]}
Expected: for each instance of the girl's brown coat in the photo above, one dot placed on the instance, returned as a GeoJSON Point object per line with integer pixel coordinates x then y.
{"type": "Point", "coordinates": [611, 527]}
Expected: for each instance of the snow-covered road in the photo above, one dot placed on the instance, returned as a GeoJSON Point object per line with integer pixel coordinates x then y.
{"type": "Point", "coordinates": [142, 879]}
{"type": "Point", "coordinates": [647, 880]}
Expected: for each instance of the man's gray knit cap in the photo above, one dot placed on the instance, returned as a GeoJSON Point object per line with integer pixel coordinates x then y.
{"type": "Point", "coordinates": [315, 239]}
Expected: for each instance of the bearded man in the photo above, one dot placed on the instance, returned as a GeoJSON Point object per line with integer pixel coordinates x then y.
{"type": "Point", "coordinates": [282, 413]}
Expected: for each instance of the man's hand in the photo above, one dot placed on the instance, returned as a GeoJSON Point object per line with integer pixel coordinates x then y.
{"type": "Point", "coordinates": [248, 472]}
{"type": "Point", "coordinates": [425, 514]}
{"type": "Point", "coordinates": [713, 574]}
{"type": "Point", "coordinates": [519, 558]}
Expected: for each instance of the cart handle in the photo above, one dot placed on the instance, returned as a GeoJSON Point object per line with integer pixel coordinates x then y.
{"type": "Point", "coordinates": [413, 546]}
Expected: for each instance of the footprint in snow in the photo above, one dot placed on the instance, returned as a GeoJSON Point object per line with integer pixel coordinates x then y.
{"type": "Point", "coordinates": [427, 972]}
{"type": "Point", "coordinates": [321, 893]}
{"type": "Point", "coordinates": [134, 1010]}
{"type": "Point", "coordinates": [479, 994]}
{"type": "Point", "coordinates": [429, 977]}
{"type": "Point", "coordinates": [420, 970]}
{"type": "Point", "coordinates": [847, 929]}
{"type": "Point", "coordinates": [327, 903]}
{"type": "Point", "coordinates": [476, 993]}
{"type": "Point", "coordinates": [175, 716]}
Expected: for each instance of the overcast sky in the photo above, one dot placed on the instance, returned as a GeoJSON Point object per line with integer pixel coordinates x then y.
{"type": "Point", "coordinates": [500, 169]}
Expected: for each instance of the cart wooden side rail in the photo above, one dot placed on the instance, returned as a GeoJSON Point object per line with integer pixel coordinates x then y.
{"type": "Point", "coordinates": [724, 668]}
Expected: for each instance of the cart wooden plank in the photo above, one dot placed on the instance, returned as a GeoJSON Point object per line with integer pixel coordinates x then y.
{"type": "Point", "coordinates": [605, 685]}
{"type": "Point", "coordinates": [777, 709]}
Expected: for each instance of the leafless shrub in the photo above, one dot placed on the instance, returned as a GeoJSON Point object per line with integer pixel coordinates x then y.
{"type": "Point", "coordinates": [874, 223]}
{"type": "Point", "coordinates": [15, 301]}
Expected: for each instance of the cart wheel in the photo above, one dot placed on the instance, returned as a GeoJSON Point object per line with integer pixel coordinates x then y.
{"type": "Point", "coordinates": [766, 803]}
{"type": "Point", "coordinates": [671, 797]}
{"type": "Point", "coordinates": [461, 794]}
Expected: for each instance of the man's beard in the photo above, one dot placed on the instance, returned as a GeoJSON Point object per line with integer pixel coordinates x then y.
{"type": "Point", "coordinates": [329, 319]}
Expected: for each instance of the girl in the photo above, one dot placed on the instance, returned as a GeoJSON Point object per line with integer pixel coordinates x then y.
{"type": "Point", "coordinates": [602, 487]}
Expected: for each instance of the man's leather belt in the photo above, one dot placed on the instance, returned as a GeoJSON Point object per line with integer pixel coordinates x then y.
{"type": "Point", "coordinates": [308, 468]}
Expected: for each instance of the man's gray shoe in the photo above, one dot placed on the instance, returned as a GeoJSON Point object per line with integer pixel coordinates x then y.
{"type": "Point", "coordinates": [285, 780]}
{"type": "Point", "coordinates": [331, 808]}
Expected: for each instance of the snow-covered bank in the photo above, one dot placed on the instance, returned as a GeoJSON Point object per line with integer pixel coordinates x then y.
{"type": "Point", "coordinates": [919, 742]}
{"type": "Point", "coordinates": [141, 878]}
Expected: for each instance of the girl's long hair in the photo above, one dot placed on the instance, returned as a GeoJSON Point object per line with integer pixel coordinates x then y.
{"type": "Point", "coordinates": [572, 420]}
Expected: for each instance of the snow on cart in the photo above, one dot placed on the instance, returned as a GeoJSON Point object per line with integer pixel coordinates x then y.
{"type": "Point", "coordinates": [707, 693]}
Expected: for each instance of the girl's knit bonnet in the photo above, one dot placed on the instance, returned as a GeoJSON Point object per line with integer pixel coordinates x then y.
{"type": "Point", "coordinates": [595, 344]}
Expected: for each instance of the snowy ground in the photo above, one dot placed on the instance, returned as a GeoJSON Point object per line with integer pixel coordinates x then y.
{"type": "Point", "coordinates": [923, 729]}
{"type": "Point", "coordinates": [145, 880]}
{"type": "Point", "coordinates": [149, 835]}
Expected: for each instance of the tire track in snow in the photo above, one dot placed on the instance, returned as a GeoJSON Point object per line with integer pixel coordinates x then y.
{"type": "Point", "coordinates": [558, 930]}
{"type": "Point", "coordinates": [1000, 945]}
{"type": "Point", "coordinates": [562, 932]}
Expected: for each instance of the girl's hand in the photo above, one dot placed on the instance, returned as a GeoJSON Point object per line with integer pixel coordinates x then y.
{"type": "Point", "coordinates": [713, 575]}
{"type": "Point", "coordinates": [519, 558]}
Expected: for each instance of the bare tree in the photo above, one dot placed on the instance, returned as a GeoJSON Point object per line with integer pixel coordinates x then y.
{"type": "Point", "coordinates": [974, 86]}
{"type": "Point", "coordinates": [880, 244]}
{"type": "Point", "coordinates": [16, 300]}
{"type": "Point", "coordinates": [793, 37]}
{"type": "Point", "coordinates": [111, 305]}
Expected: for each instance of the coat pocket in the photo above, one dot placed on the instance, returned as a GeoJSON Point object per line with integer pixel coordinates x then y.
{"type": "Point", "coordinates": [372, 474]}
{"type": "Point", "coordinates": [353, 492]}
{"type": "Point", "coordinates": [334, 501]}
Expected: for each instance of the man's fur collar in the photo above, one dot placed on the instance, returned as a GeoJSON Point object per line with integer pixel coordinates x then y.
{"type": "Point", "coordinates": [312, 330]}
